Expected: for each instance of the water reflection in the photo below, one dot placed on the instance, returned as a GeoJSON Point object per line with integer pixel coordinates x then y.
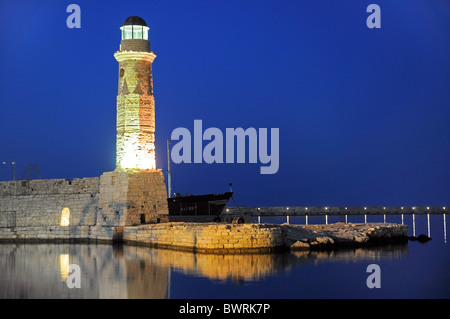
{"type": "Point", "coordinates": [64, 266]}
{"type": "Point", "coordinates": [40, 271]}
{"type": "Point", "coordinates": [445, 229]}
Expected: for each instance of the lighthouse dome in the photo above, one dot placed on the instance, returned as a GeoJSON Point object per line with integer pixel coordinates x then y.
{"type": "Point", "coordinates": [135, 20]}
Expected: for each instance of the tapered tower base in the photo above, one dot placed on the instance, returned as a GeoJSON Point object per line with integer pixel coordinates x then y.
{"type": "Point", "coordinates": [132, 197]}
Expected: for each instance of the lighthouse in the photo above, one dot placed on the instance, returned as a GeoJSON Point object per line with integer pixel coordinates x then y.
{"type": "Point", "coordinates": [135, 192]}
{"type": "Point", "coordinates": [135, 143]}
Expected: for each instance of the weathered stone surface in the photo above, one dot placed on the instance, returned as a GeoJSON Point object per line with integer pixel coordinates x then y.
{"type": "Point", "coordinates": [342, 234]}
{"type": "Point", "coordinates": [300, 245]}
{"type": "Point", "coordinates": [132, 197]}
{"type": "Point", "coordinates": [246, 237]}
{"type": "Point", "coordinates": [325, 240]}
{"type": "Point", "coordinates": [207, 236]}
{"type": "Point", "coordinates": [117, 198]}
{"type": "Point", "coordinates": [135, 143]}
{"type": "Point", "coordinates": [38, 203]}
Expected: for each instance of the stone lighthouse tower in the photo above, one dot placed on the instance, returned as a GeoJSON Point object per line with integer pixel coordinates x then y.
{"type": "Point", "coordinates": [135, 193]}
{"type": "Point", "coordinates": [135, 101]}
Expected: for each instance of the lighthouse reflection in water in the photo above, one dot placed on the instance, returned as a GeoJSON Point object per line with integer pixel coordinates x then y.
{"type": "Point", "coordinates": [109, 271]}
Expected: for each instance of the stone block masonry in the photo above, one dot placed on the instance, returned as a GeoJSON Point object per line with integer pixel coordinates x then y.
{"type": "Point", "coordinates": [34, 203]}
{"type": "Point", "coordinates": [208, 237]}
{"type": "Point", "coordinates": [135, 45]}
{"type": "Point", "coordinates": [135, 143]}
{"type": "Point", "coordinates": [245, 238]}
{"type": "Point", "coordinates": [57, 234]}
{"type": "Point", "coordinates": [132, 198]}
{"type": "Point", "coordinates": [87, 208]}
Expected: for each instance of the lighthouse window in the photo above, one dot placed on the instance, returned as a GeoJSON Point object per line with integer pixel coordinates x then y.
{"type": "Point", "coordinates": [137, 32]}
{"type": "Point", "coordinates": [134, 32]}
{"type": "Point", "coordinates": [145, 33]}
{"type": "Point", "coordinates": [127, 32]}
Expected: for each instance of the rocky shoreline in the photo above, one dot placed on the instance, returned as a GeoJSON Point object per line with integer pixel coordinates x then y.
{"type": "Point", "coordinates": [309, 237]}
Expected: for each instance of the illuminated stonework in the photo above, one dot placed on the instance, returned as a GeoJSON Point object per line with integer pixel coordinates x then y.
{"type": "Point", "coordinates": [135, 193]}
{"type": "Point", "coordinates": [135, 148]}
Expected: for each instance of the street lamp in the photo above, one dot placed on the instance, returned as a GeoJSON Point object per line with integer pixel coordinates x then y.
{"type": "Point", "coordinates": [14, 167]}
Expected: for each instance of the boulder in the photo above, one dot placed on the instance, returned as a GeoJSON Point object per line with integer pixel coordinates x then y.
{"type": "Point", "coordinates": [300, 245]}
{"type": "Point", "coordinates": [360, 239]}
{"type": "Point", "coordinates": [421, 238]}
{"type": "Point", "coordinates": [325, 240]}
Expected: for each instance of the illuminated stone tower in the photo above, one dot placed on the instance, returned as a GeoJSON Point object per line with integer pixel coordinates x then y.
{"type": "Point", "coordinates": [135, 102]}
{"type": "Point", "coordinates": [135, 192]}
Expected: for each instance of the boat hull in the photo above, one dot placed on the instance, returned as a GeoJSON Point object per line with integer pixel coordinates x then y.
{"type": "Point", "coordinates": [197, 208]}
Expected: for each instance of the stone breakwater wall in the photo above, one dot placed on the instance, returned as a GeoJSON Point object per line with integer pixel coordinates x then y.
{"type": "Point", "coordinates": [111, 207]}
{"type": "Point", "coordinates": [207, 237]}
{"type": "Point", "coordinates": [59, 234]}
{"type": "Point", "coordinates": [118, 198]}
{"type": "Point", "coordinates": [217, 238]}
{"type": "Point", "coordinates": [39, 203]}
{"type": "Point", "coordinates": [262, 237]}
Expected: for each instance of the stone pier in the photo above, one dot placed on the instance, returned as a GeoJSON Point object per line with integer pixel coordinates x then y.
{"type": "Point", "coordinates": [131, 206]}
{"type": "Point", "coordinates": [245, 238]}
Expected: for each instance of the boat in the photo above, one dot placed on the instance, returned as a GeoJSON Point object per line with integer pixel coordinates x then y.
{"type": "Point", "coordinates": [198, 208]}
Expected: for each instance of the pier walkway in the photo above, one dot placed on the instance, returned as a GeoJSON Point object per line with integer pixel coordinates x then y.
{"type": "Point", "coordinates": [345, 211]}
{"type": "Point", "coordinates": [336, 210]}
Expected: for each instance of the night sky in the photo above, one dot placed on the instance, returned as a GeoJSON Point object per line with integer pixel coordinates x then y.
{"type": "Point", "coordinates": [363, 113]}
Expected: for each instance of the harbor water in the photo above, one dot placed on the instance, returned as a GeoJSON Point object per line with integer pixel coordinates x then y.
{"type": "Point", "coordinates": [412, 270]}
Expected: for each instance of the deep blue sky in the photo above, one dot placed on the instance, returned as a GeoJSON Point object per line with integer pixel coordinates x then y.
{"type": "Point", "coordinates": [363, 113]}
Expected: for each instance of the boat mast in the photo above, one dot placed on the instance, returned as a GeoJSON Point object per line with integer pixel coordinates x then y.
{"type": "Point", "coordinates": [168, 170]}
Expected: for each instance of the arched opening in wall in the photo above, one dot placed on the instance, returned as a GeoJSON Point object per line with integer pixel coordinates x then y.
{"type": "Point", "coordinates": [65, 217]}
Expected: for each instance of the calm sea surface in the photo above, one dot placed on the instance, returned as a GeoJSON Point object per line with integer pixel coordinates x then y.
{"type": "Point", "coordinates": [413, 270]}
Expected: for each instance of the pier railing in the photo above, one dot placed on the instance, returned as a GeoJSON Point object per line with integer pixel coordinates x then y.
{"type": "Point", "coordinates": [345, 211]}
{"type": "Point", "coordinates": [336, 210]}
